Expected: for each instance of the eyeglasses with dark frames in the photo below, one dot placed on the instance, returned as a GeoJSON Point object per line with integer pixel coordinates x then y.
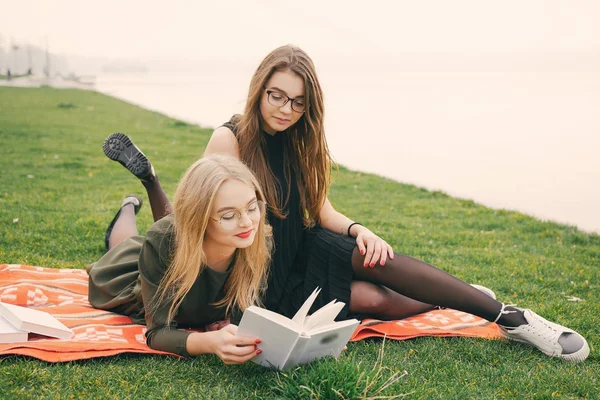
{"type": "Point", "coordinates": [279, 99]}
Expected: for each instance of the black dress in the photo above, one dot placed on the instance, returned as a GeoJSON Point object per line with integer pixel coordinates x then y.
{"type": "Point", "coordinates": [303, 258]}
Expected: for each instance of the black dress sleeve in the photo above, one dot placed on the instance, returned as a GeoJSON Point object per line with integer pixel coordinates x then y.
{"type": "Point", "coordinates": [232, 123]}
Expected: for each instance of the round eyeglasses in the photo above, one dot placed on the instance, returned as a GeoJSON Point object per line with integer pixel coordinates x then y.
{"type": "Point", "coordinates": [230, 220]}
{"type": "Point", "coordinates": [279, 99]}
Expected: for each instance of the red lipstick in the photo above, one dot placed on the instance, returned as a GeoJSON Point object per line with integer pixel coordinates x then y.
{"type": "Point", "coordinates": [245, 235]}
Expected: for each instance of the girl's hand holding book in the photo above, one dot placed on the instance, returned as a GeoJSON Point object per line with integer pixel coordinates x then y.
{"type": "Point", "coordinates": [233, 349]}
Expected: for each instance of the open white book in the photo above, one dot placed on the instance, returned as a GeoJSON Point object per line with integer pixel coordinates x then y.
{"type": "Point", "coordinates": [286, 342]}
{"type": "Point", "coordinates": [35, 321]}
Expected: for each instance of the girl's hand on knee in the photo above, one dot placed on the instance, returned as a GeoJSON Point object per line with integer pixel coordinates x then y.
{"type": "Point", "coordinates": [234, 349]}
{"type": "Point", "coordinates": [374, 248]}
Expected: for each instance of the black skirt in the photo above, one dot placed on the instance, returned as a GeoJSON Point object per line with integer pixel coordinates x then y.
{"type": "Point", "coordinates": [325, 261]}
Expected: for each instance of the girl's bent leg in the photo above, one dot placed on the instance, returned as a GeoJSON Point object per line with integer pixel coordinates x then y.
{"type": "Point", "coordinates": [123, 224]}
{"type": "Point", "coordinates": [159, 202]}
{"type": "Point", "coordinates": [119, 147]}
{"type": "Point", "coordinates": [383, 303]}
{"type": "Point", "coordinates": [428, 284]}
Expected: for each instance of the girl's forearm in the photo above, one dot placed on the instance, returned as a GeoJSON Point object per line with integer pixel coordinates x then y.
{"type": "Point", "coordinates": [201, 343]}
{"type": "Point", "coordinates": [337, 222]}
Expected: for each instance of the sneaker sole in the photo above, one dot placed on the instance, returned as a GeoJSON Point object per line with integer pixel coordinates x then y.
{"type": "Point", "coordinates": [118, 147]}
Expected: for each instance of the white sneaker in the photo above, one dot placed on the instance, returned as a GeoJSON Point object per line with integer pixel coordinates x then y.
{"type": "Point", "coordinates": [485, 290]}
{"type": "Point", "coordinates": [544, 335]}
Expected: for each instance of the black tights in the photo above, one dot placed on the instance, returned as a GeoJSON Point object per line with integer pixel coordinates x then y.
{"type": "Point", "coordinates": [406, 286]}
{"type": "Point", "coordinates": [159, 202]}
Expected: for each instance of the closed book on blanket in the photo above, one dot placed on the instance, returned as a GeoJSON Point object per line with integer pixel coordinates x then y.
{"type": "Point", "coordinates": [10, 334]}
{"type": "Point", "coordinates": [35, 321]}
{"type": "Point", "coordinates": [286, 342]}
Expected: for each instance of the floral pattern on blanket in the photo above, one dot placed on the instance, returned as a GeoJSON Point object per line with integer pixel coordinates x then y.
{"type": "Point", "coordinates": [98, 333]}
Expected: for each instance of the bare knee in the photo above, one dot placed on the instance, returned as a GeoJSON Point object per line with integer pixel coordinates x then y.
{"type": "Point", "coordinates": [368, 298]}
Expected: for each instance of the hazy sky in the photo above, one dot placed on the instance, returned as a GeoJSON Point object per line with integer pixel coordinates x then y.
{"type": "Point", "coordinates": [250, 29]}
{"type": "Point", "coordinates": [530, 101]}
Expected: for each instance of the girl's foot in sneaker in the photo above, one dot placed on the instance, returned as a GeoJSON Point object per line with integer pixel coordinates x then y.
{"type": "Point", "coordinates": [118, 147]}
{"type": "Point", "coordinates": [550, 338]}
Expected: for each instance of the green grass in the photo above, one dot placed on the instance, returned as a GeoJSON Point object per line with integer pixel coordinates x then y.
{"type": "Point", "coordinates": [58, 192]}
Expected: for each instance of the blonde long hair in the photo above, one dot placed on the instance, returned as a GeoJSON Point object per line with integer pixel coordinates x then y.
{"type": "Point", "coordinates": [305, 152]}
{"type": "Point", "coordinates": [193, 203]}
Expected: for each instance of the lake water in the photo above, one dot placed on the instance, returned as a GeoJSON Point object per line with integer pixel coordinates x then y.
{"type": "Point", "coordinates": [523, 139]}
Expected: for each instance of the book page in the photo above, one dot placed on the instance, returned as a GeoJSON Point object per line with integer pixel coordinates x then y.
{"type": "Point", "coordinates": [334, 325]}
{"type": "Point", "coordinates": [278, 318]}
{"type": "Point", "coordinates": [300, 316]}
{"type": "Point", "coordinates": [323, 316]}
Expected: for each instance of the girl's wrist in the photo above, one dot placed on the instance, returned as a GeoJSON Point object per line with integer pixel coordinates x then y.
{"type": "Point", "coordinates": [201, 343]}
{"type": "Point", "coordinates": [353, 225]}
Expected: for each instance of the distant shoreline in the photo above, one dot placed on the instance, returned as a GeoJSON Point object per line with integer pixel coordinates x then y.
{"type": "Point", "coordinates": [536, 185]}
{"type": "Point", "coordinates": [36, 81]}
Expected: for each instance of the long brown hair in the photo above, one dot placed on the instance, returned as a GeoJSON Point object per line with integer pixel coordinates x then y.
{"type": "Point", "coordinates": [192, 206]}
{"type": "Point", "coordinates": [305, 151]}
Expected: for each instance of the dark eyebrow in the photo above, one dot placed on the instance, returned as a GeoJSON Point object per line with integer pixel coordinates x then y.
{"type": "Point", "coordinates": [284, 92]}
{"type": "Point", "coordinates": [233, 208]}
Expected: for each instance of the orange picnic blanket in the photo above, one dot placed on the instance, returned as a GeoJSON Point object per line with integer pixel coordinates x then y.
{"type": "Point", "coordinates": [98, 333]}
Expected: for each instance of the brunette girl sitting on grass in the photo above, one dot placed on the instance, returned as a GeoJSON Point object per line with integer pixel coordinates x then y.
{"type": "Point", "coordinates": [281, 138]}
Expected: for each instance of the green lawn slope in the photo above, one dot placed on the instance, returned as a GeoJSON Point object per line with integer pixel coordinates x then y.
{"type": "Point", "coordinates": [58, 192]}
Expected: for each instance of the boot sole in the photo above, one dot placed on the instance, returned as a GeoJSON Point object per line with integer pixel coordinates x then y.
{"type": "Point", "coordinates": [118, 147]}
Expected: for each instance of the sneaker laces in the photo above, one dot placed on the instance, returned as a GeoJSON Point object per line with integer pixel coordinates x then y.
{"type": "Point", "coordinates": [503, 311]}
{"type": "Point", "coordinates": [549, 333]}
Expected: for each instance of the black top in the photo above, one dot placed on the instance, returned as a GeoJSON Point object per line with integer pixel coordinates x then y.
{"type": "Point", "coordinates": [287, 233]}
